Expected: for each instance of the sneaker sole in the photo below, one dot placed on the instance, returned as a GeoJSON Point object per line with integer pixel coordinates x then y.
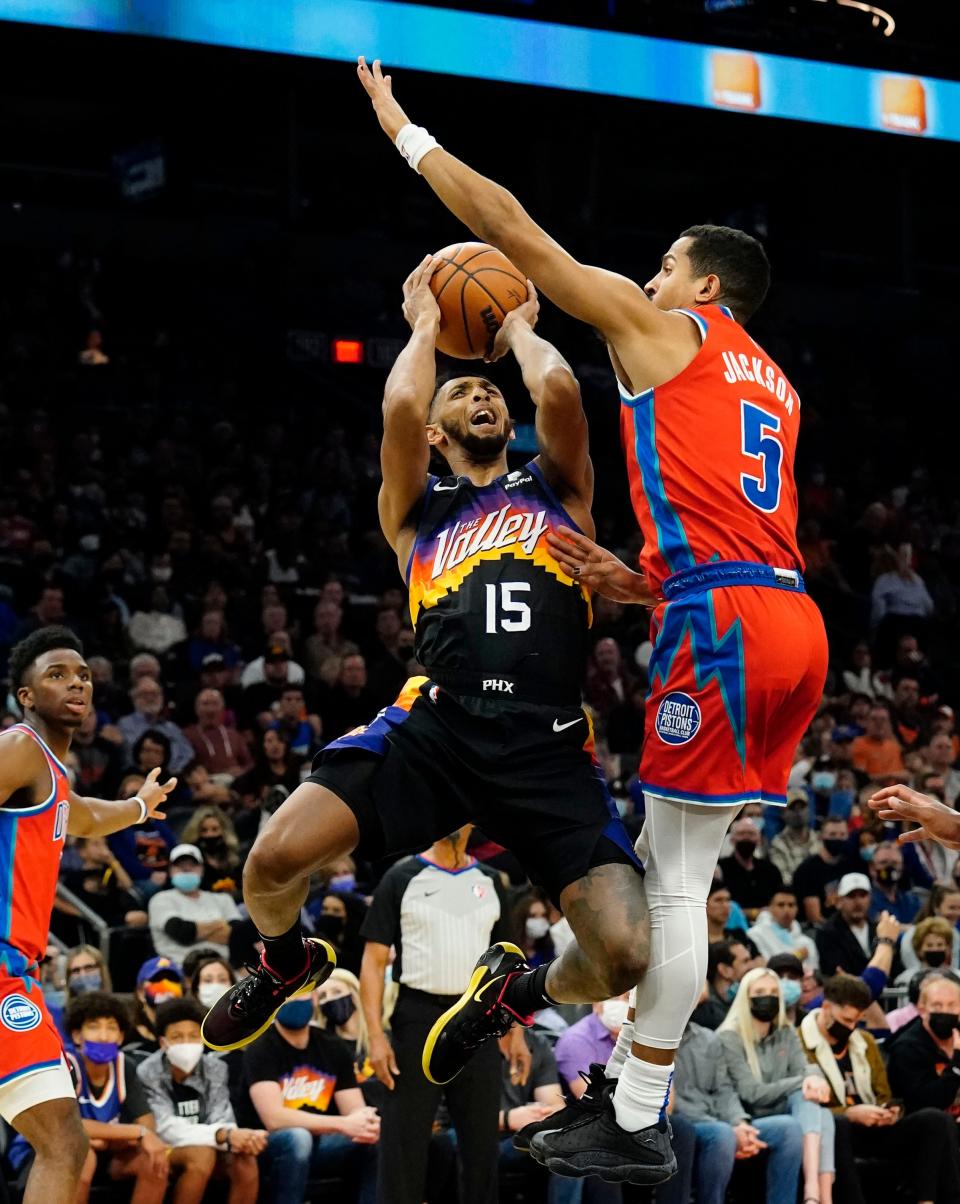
{"type": "Point", "coordinates": [434, 1035]}
{"type": "Point", "coordinates": [307, 987]}
{"type": "Point", "coordinates": [636, 1173]}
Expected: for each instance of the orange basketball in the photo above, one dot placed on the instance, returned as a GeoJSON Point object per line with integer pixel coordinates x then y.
{"type": "Point", "coordinates": [476, 287]}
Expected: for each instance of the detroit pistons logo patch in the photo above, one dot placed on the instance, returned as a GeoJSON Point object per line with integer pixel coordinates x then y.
{"type": "Point", "coordinates": [20, 1014]}
{"type": "Point", "coordinates": [678, 718]}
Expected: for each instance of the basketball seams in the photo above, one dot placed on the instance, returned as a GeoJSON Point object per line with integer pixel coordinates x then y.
{"type": "Point", "coordinates": [459, 267]}
{"type": "Point", "coordinates": [460, 325]}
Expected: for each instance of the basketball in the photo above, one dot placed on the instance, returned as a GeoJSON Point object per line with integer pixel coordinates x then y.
{"type": "Point", "coordinates": [476, 287]}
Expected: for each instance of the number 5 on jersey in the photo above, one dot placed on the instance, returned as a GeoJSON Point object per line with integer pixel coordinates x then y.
{"type": "Point", "coordinates": [497, 619]}
{"type": "Point", "coordinates": [759, 430]}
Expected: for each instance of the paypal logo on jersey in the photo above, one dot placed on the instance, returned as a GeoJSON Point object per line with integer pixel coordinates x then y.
{"type": "Point", "coordinates": [678, 718]}
{"type": "Point", "coordinates": [19, 1014]}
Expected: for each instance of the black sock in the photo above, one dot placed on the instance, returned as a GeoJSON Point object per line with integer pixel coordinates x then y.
{"type": "Point", "coordinates": [285, 954]}
{"type": "Point", "coordinates": [527, 993]}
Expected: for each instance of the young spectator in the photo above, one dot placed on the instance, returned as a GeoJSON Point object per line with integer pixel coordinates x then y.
{"type": "Point", "coordinates": [114, 1109]}
{"type": "Point", "coordinates": [750, 879]}
{"type": "Point", "coordinates": [845, 941]}
{"type": "Point", "coordinates": [148, 715]}
{"type": "Point", "coordinates": [219, 748]}
{"type": "Point", "coordinates": [777, 931]}
{"type": "Point", "coordinates": [886, 873]}
{"type": "Point", "coordinates": [185, 915]}
{"type": "Point", "coordinates": [143, 850]}
{"type": "Point", "coordinates": [212, 832]}
{"type": "Point", "coordinates": [933, 942]}
{"type": "Point", "coordinates": [209, 976]}
{"type": "Point", "coordinates": [189, 1097]}
{"type": "Point", "coordinates": [158, 980]}
{"type": "Point", "coordinates": [797, 841]}
{"type": "Point", "coordinates": [591, 1039]}
{"type": "Point", "coordinates": [727, 962]}
{"type": "Point", "coordinates": [770, 1074]}
{"type": "Point", "coordinates": [302, 730]}
{"type": "Point", "coordinates": [924, 1061]}
{"type": "Point", "coordinates": [815, 880]}
{"type": "Point", "coordinates": [869, 1123]}
{"type": "Point", "coordinates": [304, 1089]}
{"type": "Point", "coordinates": [942, 901]}
{"type": "Point", "coordinates": [531, 926]}
{"type": "Point", "coordinates": [339, 920]}
{"type": "Point", "coordinates": [877, 753]}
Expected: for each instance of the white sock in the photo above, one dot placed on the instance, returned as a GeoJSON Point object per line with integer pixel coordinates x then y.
{"type": "Point", "coordinates": [643, 1090]}
{"type": "Point", "coordinates": [621, 1050]}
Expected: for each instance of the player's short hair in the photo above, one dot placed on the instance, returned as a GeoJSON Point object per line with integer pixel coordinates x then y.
{"type": "Point", "coordinates": [738, 259]}
{"type": "Point", "coordinates": [44, 639]}
{"type": "Point", "coordinates": [845, 991]}
{"type": "Point", "coordinates": [95, 1005]}
{"type": "Point", "coordinates": [175, 1011]}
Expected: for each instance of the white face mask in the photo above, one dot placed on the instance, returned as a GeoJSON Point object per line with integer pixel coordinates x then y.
{"type": "Point", "coordinates": [613, 1013]}
{"type": "Point", "coordinates": [185, 1055]}
{"type": "Point", "coordinates": [209, 992]}
{"type": "Point", "coordinates": [537, 927]}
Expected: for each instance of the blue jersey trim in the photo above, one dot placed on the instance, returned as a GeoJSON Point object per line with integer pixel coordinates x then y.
{"type": "Point", "coordinates": [671, 537]}
{"type": "Point", "coordinates": [704, 328]}
{"type": "Point", "coordinates": [634, 399]}
{"type": "Point", "coordinates": [725, 309]}
{"type": "Point", "coordinates": [8, 851]}
{"type": "Point", "coordinates": [20, 727]}
{"type": "Point", "coordinates": [443, 869]}
{"type": "Point", "coordinates": [671, 793]}
{"type": "Point", "coordinates": [31, 1069]}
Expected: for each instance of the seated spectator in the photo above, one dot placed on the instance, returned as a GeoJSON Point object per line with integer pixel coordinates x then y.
{"type": "Point", "coordinates": [792, 974]}
{"type": "Point", "coordinates": [212, 639]}
{"type": "Point", "coordinates": [205, 791]}
{"type": "Point", "coordinates": [327, 640]}
{"type": "Point", "coordinates": [219, 748]}
{"type": "Point", "coordinates": [771, 1076]}
{"type": "Point", "coordinates": [869, 1124]}
{"type": "Point", "coordinates": [144, 849]}
{"type": "Point", "coordinates": [189, 1098]}
{"type": "Point", "coordinates": [608, 679]}
{"type": "Point", "coordinates": [302, 730]}
{"type": "Point", "coordinates": [725, 1132]}
{"type": "Point", "coordinates": [750, 879]}
{"type": "Point", "coordinates": [933, 942]}
{"type": "Point", "coordinates": [928, 863]}
{"type": "Point", "coordinates": [877, 753]}
{"type": "Point", "coordinates": [159, 626]}
{"type": "Point", "coordinates": [144, 665]}
{"type": "Point", "coordinates": [97, 750]}
{"type": "Point", "coordinates": [777, 931]}
{"type": "Point", "coordinates": [901, 1017]}
{"type": "Point", "coordinates": [114, 1110]}
{"type": "Point", "coordinates": [273, 669]}
{"type": "Point", "coordinates": [158, 980]}
{"type": "Point", "coordinates": [942, 901]}
{"type": "Point", "coordinates": [815, 880]}
{"type": "Point", "coordinates": [148, 715]}
{"type": "Point", "coordinates": [185, 915]}
{"type": "Point", "coordinates": [86, 970]}
{"type": "Point", "coordinates": [208, 976]}
{"type": "Point", "coordinates": [727, 962]}
{"type": "Point", "coordinates": [797, 841]}
{"type": "Point", "coordinates": [388, 655]}
{"type": "Point", "coordinates": [274, 765]}
{"type": "Point", "coordinates": [350, 702]}
{"type": "Point", "coordinates": [96, 876]}
{"type": "Point", "coordinates": [886, 873]}
{"type": "Point", "coordinates": [340, 1012]}
{"type": "Point", "coordinates": [531, 926]}
{"type": "Point", "coordinates": [304, 1089]}
{"type": "Point", "coordinates": [924, 1061]}
{"type": "Point", "coordinates": [941, 757]}
{"type": "Point", "coordinates": [591, 1039]}
{"type": "Point", "coordinates": [845, 941]}
{"type": "Point", "coordinates": [876, 974]}
{"type": "Point", "coordinates": [720, 926]}
{"type": "Point", "coordinates": [212, 832]}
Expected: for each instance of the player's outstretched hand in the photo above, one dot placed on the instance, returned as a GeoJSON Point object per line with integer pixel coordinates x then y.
{"type": "Point", "coordinates": [527, 314]}
{"type": "Point", "coordinates": [598, 569]}
{"type": "Point", "coordinates": [418, 299]}
{"type": "Point", "coordinates": [937, 821]}
{"type": "Point", "coordinates": [379, 88]}
{"type": "Point", "coordinates": [155, 795]}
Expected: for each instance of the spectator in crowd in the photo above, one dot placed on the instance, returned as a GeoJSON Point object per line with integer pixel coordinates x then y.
{"type": "Point", "coordinates": [302, 729]}
{"type": "Point", "coordinates": [273, 669]}
{"type": "Point", "coordinates": [212, 832]}
{"type": "Point", "coordinates": [531, 928]}
{"type": "Point", "coordinates": [927, 862]}
{"type": "Point", "coordinates": [907, 721]}
{"type": "Point", "coordinates": [876, 974]}
{"type": "Point", "coordinates": [933, 942]}
{"type": "Point", "coordinates": [274, 765]}
{"type": "Point", "coordinates": [220, 749]}
{"type": "Point", "coordinates": [147, 715]}
{"type": "Point", "coordinates": [185, 915]}
{"type": "Point", "coordinates": [797, 841]}
{"type": "Point", "coordinates": [144, 849]}
{"type": "Point", "coordinates": [144, 664]}
{"type": "Point", "coordinates": [608, 681]}
{"type": "Point", "coordinates": [205, 790]}
{"type": "Point", "coordinates": [750, 879]}
{"type": "Point", "coordinates": [815, 880]}
{"type": "Point", "coordinates": [48, 609]}
{"type": "Point", "coordinates": [869, 1123]}
{"type": "Point", "coordinates": [209, 977]}
{"type": "Point", "coordinates": [771, 1076]}
{"type": "Point", "coordinates": [340, 1012]}
{"type": "Point", "coordinates": [877, 753]}
{"type": "Point", "coordinates": [212, 638]}
{"type": "Point", "coordinates": [941, 757]}
{"type": "Point", "coordinates": [340, 921]}
{"type": "Point", "coordinates": [705, 1096]}
{"type": "Point", "coordinates": [327, 640]}
{"type": "Point", "coordinates": [777, 931]}
{"type": "Point", "coordinates": [303, 1087]}
{"type": "Point", "coordinates": [727, 962]}
{"type": "Point", "coordinates": [860, 678]}
{"type": "Point", "coordinates": [900, 1017]}
{"type": "Point", "coordinates": [845, 941]}
{"type": "Point", "coordinates": [158, 980]}
{"type": "Point", "coordinates": [388, 655]}
{"type": "Point", "coordinates": [159, 627]}
{"type": "Point", "coordinates": [887, 894]}
{"type": "Point", "coordinates": [188, 1096]}
{"type": "Point", "coordinates": [899, 600]}
{"type": "Point", "coordinates": [97, 751]}
{"type": "Point", "coordinates": [720, 923]}
{"type": "Point", "coordinates": [350, 702]}
{"type": "Point", "coordinates": [793, 975]}
{"type": "Point", "coordinates": [86, 970]}
{"type": "Point", "coordinates": [590, 1040]}
{"type": "Point", "coordinates": [625, 723]}
{"type": "Point", "coordinates": [110, 700]}
{"type": "Point", "coordinates": [97, 878]}
{"type": "Point", "coordinates": [942, 901]}
{"type": "Point", "coordinates": [924, 1061]}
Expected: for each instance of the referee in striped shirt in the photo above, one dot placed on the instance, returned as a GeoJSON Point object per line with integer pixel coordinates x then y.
{"type": "Point", "coordinates": [440, 910]}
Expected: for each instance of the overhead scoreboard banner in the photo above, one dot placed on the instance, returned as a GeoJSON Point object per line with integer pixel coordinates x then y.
{"type": "Point", "coordinates": [532, 52]}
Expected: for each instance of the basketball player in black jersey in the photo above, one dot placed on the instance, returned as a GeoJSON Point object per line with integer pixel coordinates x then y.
{"type": "Point", "coordinates": [494, 733]}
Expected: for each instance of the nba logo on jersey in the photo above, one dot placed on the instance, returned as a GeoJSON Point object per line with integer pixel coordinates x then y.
{"type": "Point", "coordinates": [19, 1014]}
{"type": "Point", "coordinates": [678, 718]}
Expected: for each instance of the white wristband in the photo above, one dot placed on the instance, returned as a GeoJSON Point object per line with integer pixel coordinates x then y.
{"type": "Point", "coordinates": [143, 809]}
{"type": "Point", "coordinates": [413, 142]}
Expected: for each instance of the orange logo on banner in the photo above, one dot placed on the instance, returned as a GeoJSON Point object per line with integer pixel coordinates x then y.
{"type": "Point", "coordinates": [736, 80]}
{"type": "Point", "coordinates": [903, 104]}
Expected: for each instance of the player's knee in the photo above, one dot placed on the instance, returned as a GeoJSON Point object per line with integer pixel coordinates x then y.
{"type": "Point", "coordinates": [71, 1147]}
{"type": "Point", "coordinates": [626, 962]}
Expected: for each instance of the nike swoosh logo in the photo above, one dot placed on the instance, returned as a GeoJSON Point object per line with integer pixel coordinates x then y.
{"type": "Point", "coordinates": [499, 978]}
{"type": "Point", "coordinates": [438, 488]}
{"type": "Point", "coordinates": [428, 893]}
{"type": "Point", "coordinates": [562, 727]}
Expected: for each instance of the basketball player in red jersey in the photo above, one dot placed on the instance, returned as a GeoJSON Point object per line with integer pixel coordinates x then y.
{"type": "Point", "coordinates": [38, 809]}
{"type": "Point", "coordinates": [709, 425]}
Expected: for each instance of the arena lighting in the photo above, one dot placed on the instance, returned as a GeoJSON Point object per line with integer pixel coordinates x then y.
{"type": "Point", "coordinates": [347, 351]}
{"type": "Point", "coordinates": [875, 14]}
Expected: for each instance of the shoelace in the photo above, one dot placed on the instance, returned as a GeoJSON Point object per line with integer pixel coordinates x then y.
{"type": "Point", "coordinates": [248, 987]}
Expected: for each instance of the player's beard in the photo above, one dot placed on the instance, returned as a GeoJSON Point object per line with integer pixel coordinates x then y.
{"type": "Point", "coordinates": [481, 448]}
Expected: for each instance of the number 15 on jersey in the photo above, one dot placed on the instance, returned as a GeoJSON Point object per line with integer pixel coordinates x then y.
{"type": "Point", "coordinates": [505, 612]}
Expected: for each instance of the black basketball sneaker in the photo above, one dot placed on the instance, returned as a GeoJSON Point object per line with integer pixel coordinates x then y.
{"type": "Point", "coordinates": [591, 1101]}
{"type": "Point", "coordinates": [478, 1015]}
{"type": "Point", "coordinates": [248, 1009]}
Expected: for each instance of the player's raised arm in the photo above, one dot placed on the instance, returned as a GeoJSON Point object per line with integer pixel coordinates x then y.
{"type": "Point", "coordinates": [605, 299]}
{"type": "Point", "coordinates": [100, 817]}
{"type": "Point", "coordinates": [405, 452]}
{"type": "Point", "coordinates": [561, 423]}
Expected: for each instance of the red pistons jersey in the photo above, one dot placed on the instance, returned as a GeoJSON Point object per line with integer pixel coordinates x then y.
{"type": "Point", "coordinates": [31, 844]}
{"type": "Point", "coordinates": [710, 456]}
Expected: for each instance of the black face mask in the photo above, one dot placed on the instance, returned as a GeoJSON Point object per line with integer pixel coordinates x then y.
{"type": "Point", "coordinates": [834, 847]}
{"type": "Point", "coordinates": [338, 1011]}
{"type": "Point", "coordinates": [212, 844]}
{"type": "Point", "coordinates": [330, 927]}
{"type": "Point", "coordinates": [745, 849]}
{"type": "Point", "coordinates": [935, 958]}
{"type": "Point", "coordinates": [838, 1033]}
{"type": "Point", "coordinates": [942, 1024]}
{"type": "Point", "coordinates": [765, 1007]}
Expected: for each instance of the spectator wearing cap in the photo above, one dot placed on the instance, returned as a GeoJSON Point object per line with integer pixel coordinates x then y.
{"type": "Point", "coordinates": [219, 748]}
{"type": "Point", "coordinates": [261, 695]}
{"type": "Point", "coordinates": [159, 979]}
{"type": "Point", "coordinates": [877, 753]}
{"type": "Point", "coordinates": [886, 873]}
{"type": "Point", "coordinates": [796, 841]}
{"type": "Point", "coordinates": [777, 930]}
{"type": "Point", "coordinates": [148, 715]}
{"type": "Point", "coordinates": [185, 915]}
{"type": "Point", "coordinates": [276, 652]}
{"type": "Point", "coordinates": [815, 880]}
{"type": "Point", "coordinates": [845, 942]}
{"type": "Point", "coordinates": [750, 879]}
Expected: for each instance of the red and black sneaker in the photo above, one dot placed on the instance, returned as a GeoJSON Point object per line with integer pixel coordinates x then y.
{"type": "Point", "coordinates": [248, 1009]}
{"type": "Point", "coordinates": [478, 1015]}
